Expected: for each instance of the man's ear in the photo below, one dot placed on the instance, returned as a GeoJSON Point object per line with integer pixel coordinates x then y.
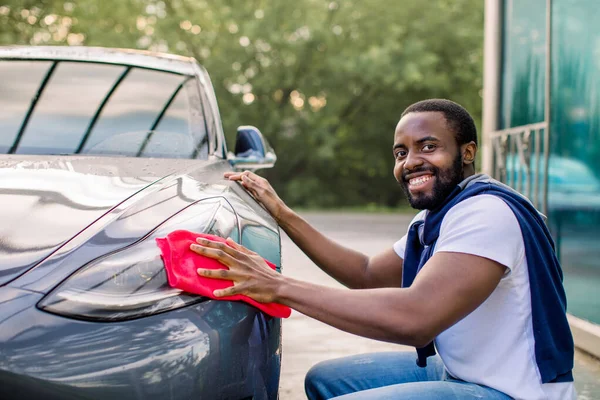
{"type": "Point", "coordinates": [468, 151]}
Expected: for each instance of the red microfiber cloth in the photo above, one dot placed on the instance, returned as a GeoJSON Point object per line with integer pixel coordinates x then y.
{"type": "Point", "coordinates": [181, 264]}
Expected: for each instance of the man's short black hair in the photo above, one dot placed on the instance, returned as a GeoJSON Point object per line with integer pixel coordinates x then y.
{"type": "Point", "coordinates": [457, 118]}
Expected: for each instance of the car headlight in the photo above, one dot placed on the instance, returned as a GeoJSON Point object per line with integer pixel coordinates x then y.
{"type": "Point", "coordinates": [132, 282]}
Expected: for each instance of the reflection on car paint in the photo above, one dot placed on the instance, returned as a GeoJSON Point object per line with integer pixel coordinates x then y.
{"type": "Point", "coordinates": [174, 355]}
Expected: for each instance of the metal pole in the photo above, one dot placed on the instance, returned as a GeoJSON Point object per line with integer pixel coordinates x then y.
{"type": "Point", "coordinates": [536, 176]}
{"type": "Point", "coordinates": [548, 103]}
{"type": "Point", "coordinates": [491, 81]}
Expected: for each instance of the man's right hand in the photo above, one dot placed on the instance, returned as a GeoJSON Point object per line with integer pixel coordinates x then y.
{"type": "Point", "coordinates": [262, 191]}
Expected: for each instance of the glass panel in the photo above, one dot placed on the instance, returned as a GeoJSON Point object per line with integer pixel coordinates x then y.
{"type": "Point", "coordinates": [68, 103]}
{"type": "Point", "coordinates": [19, 82]}
{"type": "Point", "coordinates": [135, 104]}
{"type": "Point", "coordinates": [100, 109]}
{"type": "Point", "coordinates": [523, 65]}
{"type": "Point", "coordinates": [176, 117]}
{"type": "Point", "coordinates": [177, 120]}
{"type": "Point", "coordinates": [211, 110]}
{"type": "Point", "coordinates": [574, 195]}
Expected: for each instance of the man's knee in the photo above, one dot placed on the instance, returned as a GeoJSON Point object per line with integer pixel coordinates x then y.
{"type": "Point", "coordinates": [316, 381]}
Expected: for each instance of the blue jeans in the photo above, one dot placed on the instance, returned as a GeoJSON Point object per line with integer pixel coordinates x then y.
{"type": "Point", "coordinates": [393, 375]}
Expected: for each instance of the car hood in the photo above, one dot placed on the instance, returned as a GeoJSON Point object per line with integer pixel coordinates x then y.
{"type": "Point", "coordinates": [47, 201]}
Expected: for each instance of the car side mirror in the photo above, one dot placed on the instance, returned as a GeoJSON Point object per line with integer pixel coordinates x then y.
{"type": "Point", "coordinates": [252, 151]}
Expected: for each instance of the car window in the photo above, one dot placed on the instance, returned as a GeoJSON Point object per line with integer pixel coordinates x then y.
{"type": "Point", "coordinates": [19, 82]}
{"type": "Point", "coordinates": [177, 119]}
{"type": "Point", "coordinates": [66, 106]}
{"type": "Point", "coordinates": [210, 120]}
{"type": "Point", "coordinates": [93, 108]}
{"type": "Point", "coordinates": [211, 108]}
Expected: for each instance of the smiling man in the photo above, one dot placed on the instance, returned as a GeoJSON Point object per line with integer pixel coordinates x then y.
{"type": "Point", "coordinates": [475, 278]}
{"type": "Point", "coordinates": [428, 168]}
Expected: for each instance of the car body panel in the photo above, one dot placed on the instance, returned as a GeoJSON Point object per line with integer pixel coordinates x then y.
{"type": "Point", "coordinates": [37, 193]}
{"type": "Point", "coordinates": [139, 214]}
{"type": "Point", "coordinates": [211, 350]}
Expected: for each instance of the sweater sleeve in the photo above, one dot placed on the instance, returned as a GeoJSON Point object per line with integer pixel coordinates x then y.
{"type": "Point", "coordinates": [483, 226]}
{"type": "Point", "coordinates": [400, 245]}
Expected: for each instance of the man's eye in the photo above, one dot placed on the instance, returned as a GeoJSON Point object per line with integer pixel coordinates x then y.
{"type": "Point", "coordinates": [401, 154]}
{"type": "Point", "coordinates": [429, 147]}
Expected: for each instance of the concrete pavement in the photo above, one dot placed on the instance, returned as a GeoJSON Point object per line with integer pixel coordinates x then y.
{"type": "Point", "coordinates": [306, 341]}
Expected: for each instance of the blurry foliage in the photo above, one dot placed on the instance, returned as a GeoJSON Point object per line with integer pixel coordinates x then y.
{"type": "Point", "coordinates": [325, 81]}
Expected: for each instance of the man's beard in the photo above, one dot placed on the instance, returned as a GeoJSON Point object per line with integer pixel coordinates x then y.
{"type": "Point", "coordinates": [444, 184]}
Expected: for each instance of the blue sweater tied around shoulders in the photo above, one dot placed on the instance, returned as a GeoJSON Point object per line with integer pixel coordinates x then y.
{"type": "Point", "coordinates": [554, 347]}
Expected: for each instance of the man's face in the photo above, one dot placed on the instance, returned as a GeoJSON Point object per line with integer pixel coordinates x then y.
{"type": "Point", "coordinates": [429, 163]}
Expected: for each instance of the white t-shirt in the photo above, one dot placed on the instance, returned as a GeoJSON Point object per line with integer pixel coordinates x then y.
{"type": "Point", "coordinates": [494, 345]}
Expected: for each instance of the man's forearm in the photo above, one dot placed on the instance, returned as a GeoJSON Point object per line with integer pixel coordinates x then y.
{"type": "Point", "coordinates": [347, 266]}
{"type": "Point", "coordinates": [387, 314]}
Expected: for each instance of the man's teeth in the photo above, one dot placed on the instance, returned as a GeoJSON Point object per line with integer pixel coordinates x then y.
{"type": "Point", "coordinates": [420, 180]}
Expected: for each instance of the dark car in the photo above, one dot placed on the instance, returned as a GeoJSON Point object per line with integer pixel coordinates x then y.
{"type": "Point", "coordinates": [102, 152]}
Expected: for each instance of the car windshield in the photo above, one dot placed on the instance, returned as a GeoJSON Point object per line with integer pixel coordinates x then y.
{"type": "Point", "coordinates": [64, 107]}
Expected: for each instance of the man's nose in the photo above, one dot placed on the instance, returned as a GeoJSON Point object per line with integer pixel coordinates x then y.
{"type": "Point", "coordinates": [412, 161]}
